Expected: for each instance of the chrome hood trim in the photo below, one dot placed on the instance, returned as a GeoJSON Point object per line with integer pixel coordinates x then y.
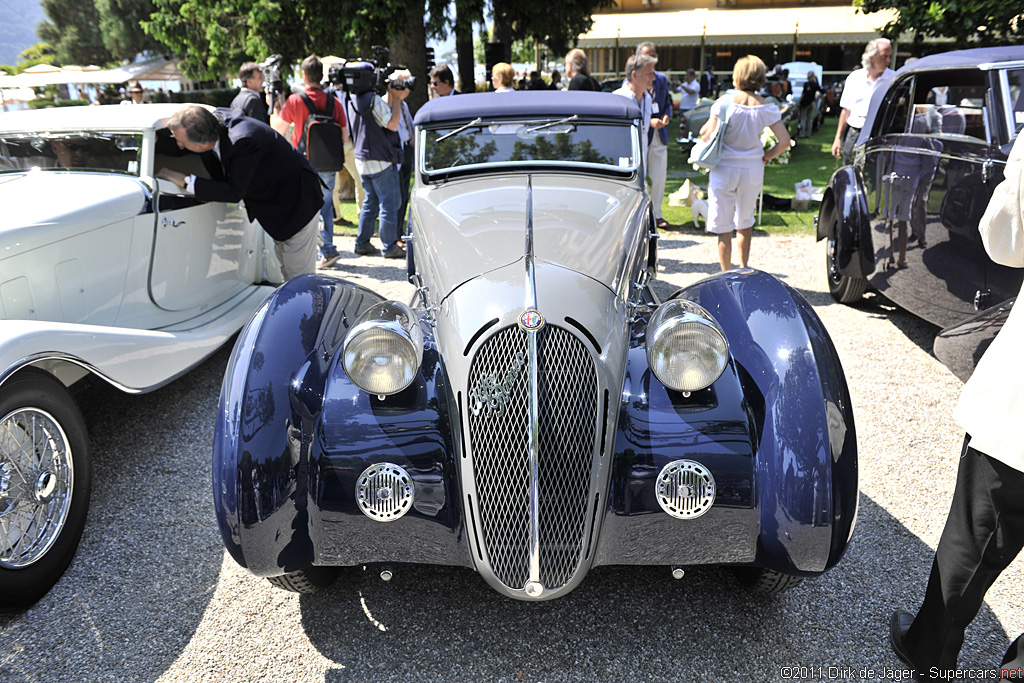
{"type": "Point", "coordinates": [466, 322]}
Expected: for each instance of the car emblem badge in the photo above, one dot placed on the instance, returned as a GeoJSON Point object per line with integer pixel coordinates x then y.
{"type": "Point", "coordinates": [492, 391]}
{"type": "Point", "coordinates": [531, 320]}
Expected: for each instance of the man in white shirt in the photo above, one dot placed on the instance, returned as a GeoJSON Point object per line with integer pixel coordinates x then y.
{"type": "Point", "coordinates": [639, 79]}
{"type": "Point", "coordinates": [690, 88]}
{"type": "Point", "coordinates": [856, 99]}
{"type": "Point", "coordinates": [985, 528]}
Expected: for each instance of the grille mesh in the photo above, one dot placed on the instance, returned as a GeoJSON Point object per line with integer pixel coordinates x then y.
{"type": "Point", "coordinates": [567, 393]}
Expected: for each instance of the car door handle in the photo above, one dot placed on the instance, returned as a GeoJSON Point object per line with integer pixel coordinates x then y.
{"type": "Point", "coordinates": [170, 222]}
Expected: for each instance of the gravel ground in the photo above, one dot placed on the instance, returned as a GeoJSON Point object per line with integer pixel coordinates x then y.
{"type": "Point", "coordinates": [151, 594]}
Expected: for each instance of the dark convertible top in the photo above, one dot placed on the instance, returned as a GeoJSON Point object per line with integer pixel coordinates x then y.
{"type": "Point", "coordinates": [493, 105]}
{"type": "Point", "coordinates": [965, 58]}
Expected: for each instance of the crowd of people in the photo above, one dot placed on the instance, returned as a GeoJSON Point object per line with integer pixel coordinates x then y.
{"type": "Point", "coordinates": [378, 142]}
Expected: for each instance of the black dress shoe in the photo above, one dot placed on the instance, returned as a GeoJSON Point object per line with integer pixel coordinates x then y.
{"type": "Point", "coordinates": [899, 624]}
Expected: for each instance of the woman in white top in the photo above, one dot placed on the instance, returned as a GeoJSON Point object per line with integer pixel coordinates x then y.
{"type": "Point", "coordinates": [734, 185]}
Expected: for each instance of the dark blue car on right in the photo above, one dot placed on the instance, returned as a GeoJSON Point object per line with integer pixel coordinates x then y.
{"type": "Point", "coordinates": [903, 218]}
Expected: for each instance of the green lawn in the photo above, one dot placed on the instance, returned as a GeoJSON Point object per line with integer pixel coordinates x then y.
{"type": "Point", "coordinates": [809, 159]}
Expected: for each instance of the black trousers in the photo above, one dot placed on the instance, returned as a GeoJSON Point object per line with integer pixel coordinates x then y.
{"type": "Point", "coordinates": [983, 534]}
{"type": "Point", "coordinates": [850, 136]}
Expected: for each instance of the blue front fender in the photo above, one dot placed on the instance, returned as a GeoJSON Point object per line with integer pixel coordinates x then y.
{"type": "Point", "coordinates": [264, 425]}
{"type": "Point", "coordinates": [807, 454]}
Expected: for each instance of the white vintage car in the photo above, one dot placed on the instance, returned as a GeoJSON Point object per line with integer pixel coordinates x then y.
{"type": "Point", "coordinates": [104, 271]}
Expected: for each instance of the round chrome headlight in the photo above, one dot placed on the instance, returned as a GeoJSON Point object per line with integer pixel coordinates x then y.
{"type": "Point", "coordinates": [686, 349]}
{"type": "Point", "coordinates": [383, 350]}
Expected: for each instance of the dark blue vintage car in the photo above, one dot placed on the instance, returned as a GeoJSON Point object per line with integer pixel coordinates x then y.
{"type": "Point", "coordinates": [903, 219]}
{"type": "Point", "coordinates": [535, 411]}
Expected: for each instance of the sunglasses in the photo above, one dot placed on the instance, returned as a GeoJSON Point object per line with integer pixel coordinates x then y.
{"type": "Point", "coordinates": [435, 82]}
{"type": "Point", "coordinates": [76, 147]}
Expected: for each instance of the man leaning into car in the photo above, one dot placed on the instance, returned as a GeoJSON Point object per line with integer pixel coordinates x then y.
{"type": "Point", "coordinates": [247, 160]}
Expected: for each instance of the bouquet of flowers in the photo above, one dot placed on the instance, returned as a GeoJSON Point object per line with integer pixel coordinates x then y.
{"type": "Point", "coordinates": [769, 140]}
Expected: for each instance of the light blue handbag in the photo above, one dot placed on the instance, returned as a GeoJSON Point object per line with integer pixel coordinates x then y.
{"type": "Point", "coordinates": [708, 154]}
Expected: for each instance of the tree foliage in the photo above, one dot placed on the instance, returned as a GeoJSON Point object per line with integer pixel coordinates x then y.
{"type": "Point", "coordinates": [976, 23]}
{"type": "Point", "coordinates": [556, 24]}
{"type": "Point", "coordinates": [120, 25]}
{"type": "Point", "coordinates": [73, 31]}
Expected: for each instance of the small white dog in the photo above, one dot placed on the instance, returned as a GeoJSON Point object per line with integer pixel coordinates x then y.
{"type": "Point", "coordinates": [699, 208]}
{"type": "Point", "coordinates": [693, 197]}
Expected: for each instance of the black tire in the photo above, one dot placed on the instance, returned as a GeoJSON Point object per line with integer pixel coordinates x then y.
{"type": "Point", "coordinates": [33, 559]}
{"type": "Point", "coordinates": [764, 581]}
{"type": "Point", "coordinates": [308, 580]}
{"type": "Point", "coordinates": [844, 289]}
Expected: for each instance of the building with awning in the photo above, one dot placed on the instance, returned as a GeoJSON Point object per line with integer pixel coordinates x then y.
{"type": "Point", "coordinates": [694, 36]}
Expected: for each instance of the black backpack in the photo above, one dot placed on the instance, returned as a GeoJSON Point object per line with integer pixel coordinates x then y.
{"type": "Point", "coordinates": [321, 141]}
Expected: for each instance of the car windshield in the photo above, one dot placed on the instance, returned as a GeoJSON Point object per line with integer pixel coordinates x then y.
{"type": "Point", "coordinates": [555, 142]}
{"type": "Point", "coordinates": [70, 151]}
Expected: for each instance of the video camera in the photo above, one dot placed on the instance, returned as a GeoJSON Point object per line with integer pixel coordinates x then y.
{"type": "Point", "coordinates": [272, 81]}
{"type": "Point", "coordinates": [365, 75]}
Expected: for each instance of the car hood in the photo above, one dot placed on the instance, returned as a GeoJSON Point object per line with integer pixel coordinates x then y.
{"type": "Point", "coordinates": [470, 227]}
{"type": "Point", "coordinates": [53, 197]}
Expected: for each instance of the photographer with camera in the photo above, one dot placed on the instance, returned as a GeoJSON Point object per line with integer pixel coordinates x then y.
{"type": "Point", "coordinates": [375, 121]}
{"type": "Point", "coordinates": [250, 100]}
{"type": "Point", "coordinates": [296, 112]}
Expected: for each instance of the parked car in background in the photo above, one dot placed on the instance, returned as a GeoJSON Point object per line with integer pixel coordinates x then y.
{"type": "Point", "coordinates": [536, 410]}
{"type": "Point", "coordinates": [105, 272]}
{"type": "Point", "coordinates": [692, 121]}
{"type": "Point", "coordinates": [903, 219]}
{"type": "Point", "coordinates": [798, 75]}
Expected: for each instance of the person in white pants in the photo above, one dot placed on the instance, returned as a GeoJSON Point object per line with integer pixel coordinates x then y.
{"type": "Point", "coordinates": [657, 136]}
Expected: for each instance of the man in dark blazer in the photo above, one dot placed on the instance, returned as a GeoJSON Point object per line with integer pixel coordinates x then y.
{"type": "Point", "coordinates": [249, 161]}
{"type": "Point", "coordinates": [708, 82]}
{"type": "Point", "coordinates": [250, 100]}
{"type": "Point", "coordinates": [442, 81]}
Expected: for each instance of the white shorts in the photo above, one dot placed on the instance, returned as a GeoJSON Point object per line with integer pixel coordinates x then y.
{"type": "Point", "coordinates": [732, 197]}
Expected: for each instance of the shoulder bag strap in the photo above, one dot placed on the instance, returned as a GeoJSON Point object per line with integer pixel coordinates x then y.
{"type": "Point", "coordinates": [309, 103]}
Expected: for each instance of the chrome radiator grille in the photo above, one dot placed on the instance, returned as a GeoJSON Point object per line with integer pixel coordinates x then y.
{"type": "Point", "coordinates": [498, 429]}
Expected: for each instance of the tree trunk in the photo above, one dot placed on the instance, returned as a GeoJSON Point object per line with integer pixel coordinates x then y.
{"type": "Point", "coordinates": [409, 48]}
{"type": "Point", "coordinates": [464, 46]}
{"type": "Point", "coordinates": [503, 30]}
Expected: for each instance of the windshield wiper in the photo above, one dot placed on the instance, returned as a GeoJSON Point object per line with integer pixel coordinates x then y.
{"type": "Point", "coordinates": [475, 123]}
{"type": "Point", "coordinates": [572, 118]}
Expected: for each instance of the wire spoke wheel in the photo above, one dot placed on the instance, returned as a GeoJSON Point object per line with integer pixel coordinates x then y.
{"type": "Point", "coordinates": [36, 484]}
{"type": "Point", "coordinates": [45, 478]}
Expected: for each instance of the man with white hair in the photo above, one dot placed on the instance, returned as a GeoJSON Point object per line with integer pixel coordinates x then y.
{"type": "Point", "coordinates": [639, 79]}
{"type": "Point", "coordinates": [657, 136]}
{"type": "Point", "coordinates": [856, 99]}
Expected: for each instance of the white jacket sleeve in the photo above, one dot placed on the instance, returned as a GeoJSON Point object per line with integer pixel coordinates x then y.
{"type": "Point", "coordinates": [1002, 226]}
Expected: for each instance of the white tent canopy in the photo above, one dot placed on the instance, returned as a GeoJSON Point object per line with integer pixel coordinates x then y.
{"type": "Point", "coordinates": [155, 69]}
